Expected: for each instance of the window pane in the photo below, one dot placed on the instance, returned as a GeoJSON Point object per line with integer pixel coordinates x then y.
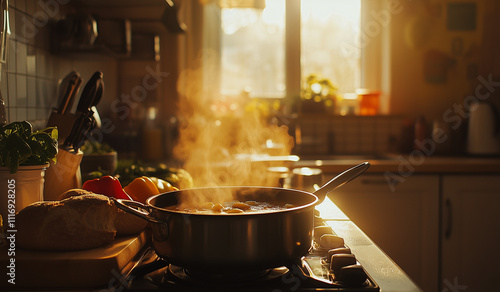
{"type": "Point", "coordinates": [329, 46]}
{"type": "Point", "coordinates": [253, 46]}
{"type": "Point", "coordinates": [253, 52]}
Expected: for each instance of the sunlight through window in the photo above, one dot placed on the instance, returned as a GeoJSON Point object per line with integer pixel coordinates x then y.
{"type": "Point", "coordinates": [253, 46]}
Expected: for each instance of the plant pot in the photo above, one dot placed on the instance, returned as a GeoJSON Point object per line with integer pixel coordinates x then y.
{"type": "Point", "coordinates": [92, 162]}
{"type": "Point", "coordinates": [20, 189]}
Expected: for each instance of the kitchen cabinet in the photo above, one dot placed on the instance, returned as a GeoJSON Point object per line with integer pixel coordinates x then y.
{"type": "Point", "coordinates": [403, 222]}
{"type": "Point", "coordinates": [470, 232]}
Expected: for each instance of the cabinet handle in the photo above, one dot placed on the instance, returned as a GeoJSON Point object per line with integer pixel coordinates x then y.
{"type": "Point", "coordinates": [449, 226]}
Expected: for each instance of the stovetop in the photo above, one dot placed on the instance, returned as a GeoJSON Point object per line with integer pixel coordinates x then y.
{"type": "Point", "coordinates": [329, 266]}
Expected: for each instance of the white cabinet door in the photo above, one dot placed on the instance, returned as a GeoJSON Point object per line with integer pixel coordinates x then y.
{"type": "Point", "coordinates": [471, 233]}
{"type": "Point", "coordinates": [402, 220]}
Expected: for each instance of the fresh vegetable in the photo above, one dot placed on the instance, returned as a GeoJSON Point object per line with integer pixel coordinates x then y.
{"type": "Point", "coordinates": [162, 185]}
{"type": "Point", "coordinates": [19, 145]}
{"type": "Point", "coordinates": [94, 147]}
{"type": "Point", "coordinates": [128, 170]}
{"type": "Point", "coordinates": [106, 185]}
{"type": "Point", "coordinates": [141, 188]}
{"type": "Point", "coordinates": [179, 178]}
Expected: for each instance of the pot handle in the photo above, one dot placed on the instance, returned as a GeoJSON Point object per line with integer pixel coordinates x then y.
{"type": "Point", "coordinates": [127, 206]}
{"type": "Point", "coordinates": [341, 180]}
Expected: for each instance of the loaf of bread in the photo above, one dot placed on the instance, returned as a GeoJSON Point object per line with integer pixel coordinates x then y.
{"type": "Point", "coordinates": [72, 193]}
{"type": "Point", "coordinates": [75, 223]}
{"type": "Point", "coordinates": [125, 223]}
{"type": "Point", "coordinates": [128, 224]}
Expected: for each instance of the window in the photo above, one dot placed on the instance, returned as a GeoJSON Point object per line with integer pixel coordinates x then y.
{"type": "Point", "coordinates": [364, 47]}
{"type": "Point", "coordinates": [329, 29]}
{"type": "Point", "coordinates": [253, 52]}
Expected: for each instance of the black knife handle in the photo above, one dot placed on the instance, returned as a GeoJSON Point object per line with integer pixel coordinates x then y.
{"type": "Point", "coordinates": [68, 143]}
{"type": "Point", "coordinates": [89, 92]}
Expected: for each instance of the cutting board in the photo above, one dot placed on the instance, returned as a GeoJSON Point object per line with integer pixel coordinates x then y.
{"type": "Point", "coordinates": [93, 268]}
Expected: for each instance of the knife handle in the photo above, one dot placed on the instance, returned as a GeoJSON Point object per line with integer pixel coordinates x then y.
{"type": "Point", "coordinates": [74, 92]}
{"type": "Point", "coordinates": [65, 100]}
{"type": "Point", "coordinates": [68, 143]}
{"type": "Point", "coordinates": [89, 93]}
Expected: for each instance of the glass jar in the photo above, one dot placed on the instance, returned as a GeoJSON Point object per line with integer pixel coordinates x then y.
{"type": "Point", "coordinates": [369, 101]}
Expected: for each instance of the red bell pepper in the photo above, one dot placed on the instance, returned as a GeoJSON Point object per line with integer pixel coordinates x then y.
{"type": "Point", "coordinates": [107, 185]}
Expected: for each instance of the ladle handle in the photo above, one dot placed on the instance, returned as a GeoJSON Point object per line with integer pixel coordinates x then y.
{"type": "Point", "coordinates": [341, 179]}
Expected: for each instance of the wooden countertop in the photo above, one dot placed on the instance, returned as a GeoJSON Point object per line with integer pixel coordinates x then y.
{"type": "Point", "coordinates": [406, 163]}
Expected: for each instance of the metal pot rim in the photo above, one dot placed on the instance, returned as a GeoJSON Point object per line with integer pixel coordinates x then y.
{"type": "Point", "coordinates": [300, 207]}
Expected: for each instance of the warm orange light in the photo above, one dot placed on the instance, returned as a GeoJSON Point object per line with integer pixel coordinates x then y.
{"type": "Point", "coordinates": [307, 171]}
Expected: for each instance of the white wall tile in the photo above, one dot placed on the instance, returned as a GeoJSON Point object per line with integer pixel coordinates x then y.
{"type": "Point", "coordinates": [30, 85]}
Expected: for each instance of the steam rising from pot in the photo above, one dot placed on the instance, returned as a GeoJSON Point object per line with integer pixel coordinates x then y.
{"type": "Point", "coordinates": [213, 131]}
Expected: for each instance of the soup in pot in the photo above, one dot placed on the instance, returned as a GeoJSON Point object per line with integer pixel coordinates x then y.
{"type": "Point", "coordinates": [234, 207]}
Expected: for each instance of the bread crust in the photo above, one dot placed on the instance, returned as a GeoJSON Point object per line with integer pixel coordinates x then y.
{"type": "Point", "coordinates": [72, 193]}
{"type": "Point", "coordinates": [76, 223]}
{"type": "Point", "coordinates": [128, 224]}
{"type": "Point", "coordinates": [125, 223]}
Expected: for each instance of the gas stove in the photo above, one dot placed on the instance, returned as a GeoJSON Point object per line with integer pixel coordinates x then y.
{"type": "Point", "coordinates": [329, 266]}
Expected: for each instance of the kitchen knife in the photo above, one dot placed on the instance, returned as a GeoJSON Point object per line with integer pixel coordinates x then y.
{"type": "Point", "coordinates": [67, 90]}
{"type": "Point", "coordinates": [91, 93]}
{"type": "Point", "coordinates": [82, 126]}
{"type": "Point", "coordinates": [74, 92]}
{"type": "Point", "coordinates": [69, 97]}
{"type": "Point", "coordinates": [90, 97]}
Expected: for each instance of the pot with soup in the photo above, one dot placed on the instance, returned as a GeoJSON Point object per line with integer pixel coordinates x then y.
{"type": "Point", "coordinates": [218, 229]}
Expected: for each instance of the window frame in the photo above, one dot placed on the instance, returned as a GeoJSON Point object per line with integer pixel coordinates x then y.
{"type": "Point", "coordinates": [202, 45]}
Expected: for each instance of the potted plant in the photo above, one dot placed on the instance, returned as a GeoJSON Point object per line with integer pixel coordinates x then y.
{"type": "Point", "coordinates": [24, 156]}
{"type": "Point", "coordinates": [317, 95]}
{"type": "Point", "coordinates": [99, 157]}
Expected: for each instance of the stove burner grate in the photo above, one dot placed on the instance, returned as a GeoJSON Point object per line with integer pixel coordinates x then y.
{"type": "Point", "coordinates": [194, 277]}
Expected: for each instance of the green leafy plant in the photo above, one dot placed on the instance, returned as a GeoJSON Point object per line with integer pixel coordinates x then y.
{"type": "Point", "coordinates": [20, 145]}
{"type": "Point", "coordinates": [94, 147]}
{"type": "Point", "coordinates": [318, 88]}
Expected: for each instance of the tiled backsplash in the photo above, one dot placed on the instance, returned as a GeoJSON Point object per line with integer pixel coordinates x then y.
{"type": "Point", "coordinates": [30, 76]}
{"type": "Point", "coordinates": [338, 135]}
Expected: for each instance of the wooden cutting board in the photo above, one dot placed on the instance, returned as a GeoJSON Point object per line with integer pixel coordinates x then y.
{"type": "Point", "coordinates": [94, 268]}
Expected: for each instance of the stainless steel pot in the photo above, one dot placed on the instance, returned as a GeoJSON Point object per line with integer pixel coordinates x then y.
{"type": "Point", "coordinates": [224, 242]}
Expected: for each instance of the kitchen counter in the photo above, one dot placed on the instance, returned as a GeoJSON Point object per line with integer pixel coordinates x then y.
{"type": "Point", "coordinates": [405, 163]}
{"type": "Point", "coordinates": [387, 274]}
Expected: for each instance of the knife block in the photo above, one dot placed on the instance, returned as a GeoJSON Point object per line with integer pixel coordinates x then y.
{"type": "Point", "coordinates": [63, 175]}
{"type": "Point", "coordinates": [64, 124]}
